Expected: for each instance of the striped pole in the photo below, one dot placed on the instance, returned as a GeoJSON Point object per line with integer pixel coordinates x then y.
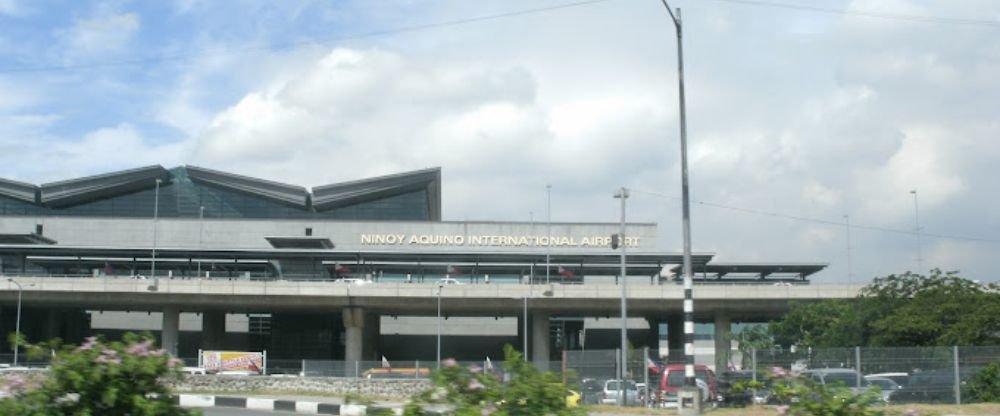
{"type": "Point", "coordinates": [686, 206]}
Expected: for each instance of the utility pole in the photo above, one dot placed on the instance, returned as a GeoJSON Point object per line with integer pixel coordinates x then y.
{"type": "Point", "coordinates": [685, 208]}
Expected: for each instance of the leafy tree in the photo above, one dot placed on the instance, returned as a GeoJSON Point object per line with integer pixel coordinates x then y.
{"type": "Point", "coordinates": [752, 337]}
{"type": "Point", "coordinates": [899, 310]}
{"type": "Point", "coordinates": [475, 392]}
{"type": "Point", "coordinates": [98, 378]}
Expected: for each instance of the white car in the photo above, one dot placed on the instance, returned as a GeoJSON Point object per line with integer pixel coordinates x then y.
{"type": "Point", "coordinates": [449, 281]}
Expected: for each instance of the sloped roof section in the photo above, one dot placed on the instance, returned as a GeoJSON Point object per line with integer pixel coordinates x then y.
{"type": "Point", "coordinates": [18, 190]}
{"type": "Point", "coordinates": [288, 194]}
{"type": "Point", "coordinates": [76, 191]}
{"type": "Point", "coordinates": [349, 193]}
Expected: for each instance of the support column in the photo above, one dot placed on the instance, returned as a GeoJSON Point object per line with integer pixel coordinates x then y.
{"type": "Point", "coordinates": [723, 343]}
{"type": "Point", "coordinates": [213, 330]}
{"type": "Point", "coordinates": [170, 329]}
{"type": "Point", "coordinates": [53, 324]}
{"type": "Point", "coordinates": [653, 337]}
{"type": "Point", "coordinates": [540, 340]}
{"type": "Point", "coordinates": [354, 324]}
{"type": "Point", "coordinates": [675, 338]}
{"type": "Point", "coordinates": [370, 345]}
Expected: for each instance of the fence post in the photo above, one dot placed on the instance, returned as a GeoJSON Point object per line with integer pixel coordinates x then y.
{"type": "Point", "coordinates": [645, 375]}
{"type": "Point", "coordinates": [357, 369]}
{"type": "Point", "coordinates": [958, 381]}
{"type": "Point", "coordinates": [753, 362]}
{"type": "Point", "coordinates": [416, 365]}
{"type": "Point", "coordinates": [857, 365]}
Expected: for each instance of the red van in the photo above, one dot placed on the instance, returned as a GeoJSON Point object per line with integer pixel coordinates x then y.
{"type": "Point", "coordinates": [672, 378]}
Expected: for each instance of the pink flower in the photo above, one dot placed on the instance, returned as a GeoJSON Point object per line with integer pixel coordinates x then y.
{"type": "Point", "coordinates": [778, 371]}
{"type": "Point", "coordinates": [173, 362]}
{"type": "Point", "coordinates": [88, 344]}
{"type": "Point", "coordinates": [141, 349]}
{"type": "Point", "coordinates": [475, 368]}
{"type": "Point", "coordinates": [475, 385]}
{"type": "Point", "coordinates": [912, 412]}
{"type": "Point", "coordinates": [782, 409]}
{"type": "Point", "coordinates": [449, 362]}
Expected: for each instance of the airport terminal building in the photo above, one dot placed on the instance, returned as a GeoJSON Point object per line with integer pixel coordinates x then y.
{"type": "Point", "coordinates": [346, 271]}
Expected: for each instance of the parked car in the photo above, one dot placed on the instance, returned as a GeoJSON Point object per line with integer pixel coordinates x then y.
{"type": "Point", "coordinates": [591, 389]}
{"type": "Point", "coordinates": [933, 386]}
{"type": "Point", "coordinates": [902, 379]}
{"type": "Point", "coordinates": [449, 281]}
{"type": "Point", "coordinates": [572, 398]}
{"type": "Point", "coordinates": [611, 391]}
{"type": "Point", "coordinates": [672, 378]}
{"type": "Point", "coordinates": [846, 377]}
{"type": "Point", "coordinates": [886, 386]}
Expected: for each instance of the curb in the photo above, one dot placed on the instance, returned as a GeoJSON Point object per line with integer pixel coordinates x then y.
{"type": "Point", "coordinates": [297, 406]}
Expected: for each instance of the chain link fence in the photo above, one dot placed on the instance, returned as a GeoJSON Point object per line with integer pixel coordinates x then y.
{"type": "Point", "coordinates": [904, 375]}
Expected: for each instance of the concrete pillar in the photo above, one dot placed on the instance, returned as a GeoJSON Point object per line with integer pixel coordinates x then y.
{"type": "Point", "coordinates": [653, 337]}
{"type": "Point", "coordinates": [675, 338]}
{"type": "Point", "coordinates": [213, 330]}
{"type": "Point", "coordinates": [170, 329]}
{"type": "Point", "coordinates": [723, 345]}
{"type": "Point", "coordinates": [354, 324]}
{"type": "Point", "coordinates": [540, 339]}
{"type": "Point", "coordinates": [53, 325]}
{"type": "Point", "coordinates": [371, 333]}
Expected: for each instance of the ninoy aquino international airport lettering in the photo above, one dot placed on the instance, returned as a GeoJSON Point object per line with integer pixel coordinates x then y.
{"type": "Point", "coordinates": [490, 240]}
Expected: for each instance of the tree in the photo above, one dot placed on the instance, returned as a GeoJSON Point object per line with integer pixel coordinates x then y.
{"type": "Point", "coordinates": [750, 338]}
{"type": "Point", "coordinates": [899, 310]}
{"type": "Point", "coordinates": [98, 378]}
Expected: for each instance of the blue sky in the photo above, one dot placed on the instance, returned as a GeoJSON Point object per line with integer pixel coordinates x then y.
{"type": "Point", "coordinates": [800, 112]}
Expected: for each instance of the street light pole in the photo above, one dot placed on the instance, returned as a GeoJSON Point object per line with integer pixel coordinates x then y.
{"type": "Point", "coordinates": [439, 326]}
{"type": "Point", "coordinates": [156, 214]}
{"type": "Point", "coordinates": [685, 208]}
{"type": "Point", "coordinates": [17, 324]}
{"type": "Point", "coordinates": [623, 194]}
{"type": "Point", "coordinates": [916, 230]}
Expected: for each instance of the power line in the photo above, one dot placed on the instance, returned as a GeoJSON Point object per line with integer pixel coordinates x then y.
{"type": "Point", "coordinates": [286, 45]}
{"type": "Point", "coordinates": [802, 218]}
{"type": "Point", "coordinates": [878, 15]}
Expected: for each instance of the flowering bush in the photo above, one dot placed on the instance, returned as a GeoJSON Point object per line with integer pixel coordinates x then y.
{"type": "Point", "coordinates": [474, 392]}
{"type": "Point", "coordinates": [801, 396]}
{"type": "Point", "coordinates": [98, 378]}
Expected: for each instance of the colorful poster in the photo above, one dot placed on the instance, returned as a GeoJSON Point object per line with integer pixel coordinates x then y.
{"type": "Point", "coordinates": [216, 361]}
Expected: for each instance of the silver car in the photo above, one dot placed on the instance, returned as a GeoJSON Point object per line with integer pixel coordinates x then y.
{"type": "Point", "coordinates": [611, 390]}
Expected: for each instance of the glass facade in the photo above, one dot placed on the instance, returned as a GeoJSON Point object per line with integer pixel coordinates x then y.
{"type": "Point", "coordinates": [183, 198]}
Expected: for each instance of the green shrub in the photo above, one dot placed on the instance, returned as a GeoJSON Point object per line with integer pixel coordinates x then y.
{"type": "Point", "coordinates": [98, 378]}
{"type": "Point", "coordinates": [472, 391]}
{"type": "Point", "coordinates": [985, 385]}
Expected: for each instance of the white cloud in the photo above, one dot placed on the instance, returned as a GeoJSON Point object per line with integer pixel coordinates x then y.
{"type": "Point", "coordinates": [102, 33]}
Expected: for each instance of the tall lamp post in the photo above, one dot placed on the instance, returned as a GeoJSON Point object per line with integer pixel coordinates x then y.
{"type": "Point", "coordinates": [440, 286]}
{"type": "Point", "coordinates": [17, 324]}
{"type": "Point", "coordinates": [156, 214]}
{"type": "Point", "coordinates": [686, 208]}
{"type": "Point", "coordinates": [623, 195]}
